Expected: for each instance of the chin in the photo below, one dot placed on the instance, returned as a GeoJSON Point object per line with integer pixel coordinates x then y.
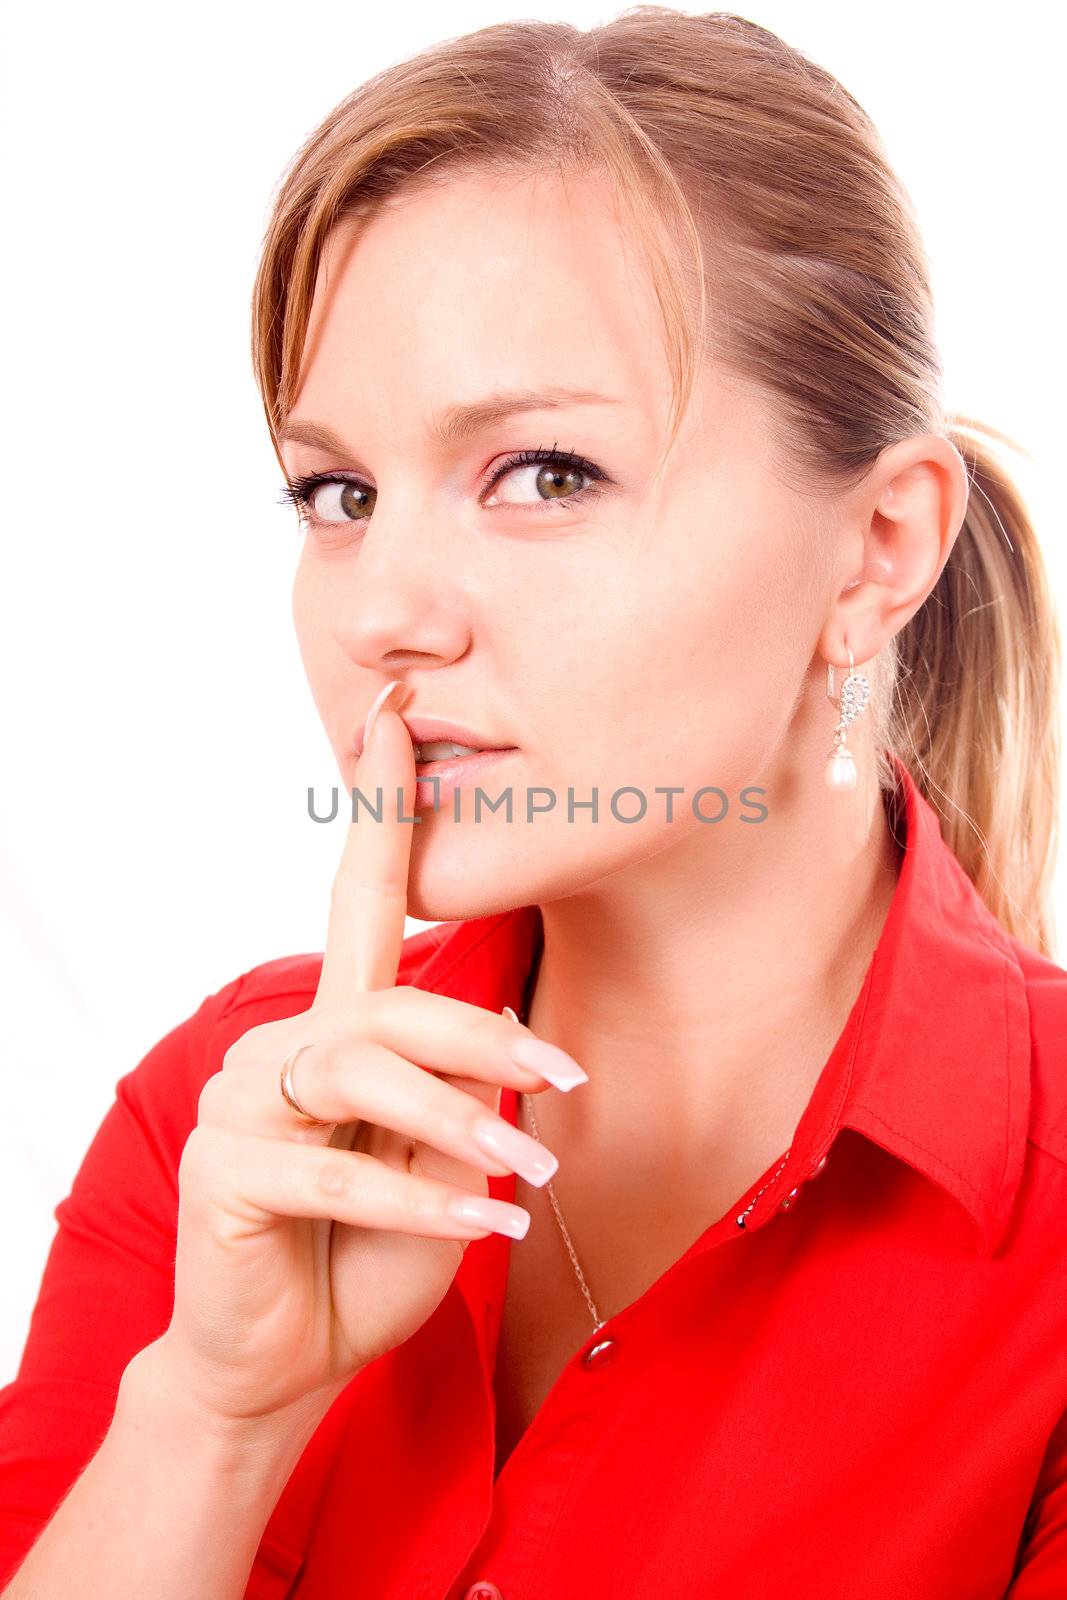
{"type": "Point", "coordinates": [445, 893]}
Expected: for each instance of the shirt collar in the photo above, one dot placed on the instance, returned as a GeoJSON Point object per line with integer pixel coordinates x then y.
{"type": "Point", "coordinates": [933, 1062]}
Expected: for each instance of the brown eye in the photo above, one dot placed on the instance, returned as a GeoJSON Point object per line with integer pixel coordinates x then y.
{"type": "Point", "coordinates": [549, 481]}
{"type": "Point", "coordinates": [554, 483]}
{"type": "Point", "coordinates": [328, 501]}
{"type": "Point", "coordinates": [340, 502]}
{"type": "Point", "coordinates": [544, 477]}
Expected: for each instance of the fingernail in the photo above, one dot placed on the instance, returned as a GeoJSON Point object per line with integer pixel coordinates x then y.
{"type": "Point", "coordinates": [547, 1060]}
{"type": "Point", "coordinates": [496, 1215]}
{"type": "Point", "coordinates": [379, 700]}
{"type": "Point", "coordinates": [528, 1157]}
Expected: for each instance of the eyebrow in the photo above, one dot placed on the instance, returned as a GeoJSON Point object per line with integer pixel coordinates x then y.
{"type": "Point", "coordinates": [459, 422]}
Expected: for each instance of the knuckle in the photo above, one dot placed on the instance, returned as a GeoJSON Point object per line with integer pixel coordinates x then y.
{"type": "Point", "coordinates": [338, 1174]}
{"type": "Point", "coordinates": [422, 1199]}
{"type": "Point", "coordinates": [212, 1097]}
{"type": "Point", "coordinates": [200, 1158]}
{"type": "Point", "coordinates": [243, 1051]}
{"type": "Point", "coordinates": [234, 1055]}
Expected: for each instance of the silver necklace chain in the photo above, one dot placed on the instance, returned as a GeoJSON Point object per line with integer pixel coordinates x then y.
{"type": "Point", "coordinates": [598, 1320]}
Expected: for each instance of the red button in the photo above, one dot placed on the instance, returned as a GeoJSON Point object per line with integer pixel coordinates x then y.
{"type": "Point", "coordinates": [483, 1591]}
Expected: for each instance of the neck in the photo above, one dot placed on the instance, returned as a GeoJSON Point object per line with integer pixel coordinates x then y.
{"type": "Point", "coordinates": [704, 989]}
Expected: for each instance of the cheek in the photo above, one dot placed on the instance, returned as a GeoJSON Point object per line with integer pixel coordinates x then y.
{"type": "Point", "coordinates": [304, 609]}
{"type": "Point", "coordinates": [678, 680]}
{"type": "Point", "coordinates": [314, 605]}
{"type": "Point", "coordinates": [327, 670]}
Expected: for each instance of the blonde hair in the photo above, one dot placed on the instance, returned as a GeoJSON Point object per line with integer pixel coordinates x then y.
{"type": "Point", "coordinates": [739, 162]}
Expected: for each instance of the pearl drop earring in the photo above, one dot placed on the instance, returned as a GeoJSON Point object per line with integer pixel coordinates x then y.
{"type": "Point", "coordinates": [840, 770]}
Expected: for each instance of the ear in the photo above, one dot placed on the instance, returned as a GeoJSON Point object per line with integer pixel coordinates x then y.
{"type": "Point", "coordinates": [897, 529]}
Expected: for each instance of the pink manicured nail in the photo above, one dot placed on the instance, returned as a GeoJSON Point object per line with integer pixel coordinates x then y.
{"type": "Point", "coordinates": [528, 1157]}
{"type": "Point", "coordinates": [376, 705]}
{"type": "Point", "coordinates": [547, 1060]}
{"type": "Point", "coordinates": [496, 1215]}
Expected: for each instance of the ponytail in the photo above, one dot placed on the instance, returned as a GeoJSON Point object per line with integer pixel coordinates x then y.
{"type": "Point", "coordinates": [975, 709]}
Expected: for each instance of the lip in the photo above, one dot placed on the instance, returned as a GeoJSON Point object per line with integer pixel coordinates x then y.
{"type": "Point", "coordinates": [452, 773]}
{"type": "Point", "coordinates": [425, 729]}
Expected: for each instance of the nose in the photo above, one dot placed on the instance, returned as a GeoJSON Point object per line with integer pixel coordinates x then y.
{"type": "Point", "coordinates": [396, 601]}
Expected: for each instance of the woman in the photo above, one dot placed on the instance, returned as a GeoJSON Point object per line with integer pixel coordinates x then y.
{"type": "Point", "coordinates": [601, 368]}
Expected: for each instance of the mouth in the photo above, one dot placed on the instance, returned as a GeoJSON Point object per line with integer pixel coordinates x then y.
{"type": "Point", "coordinates": [437, 743]}
{"type": "Point", "coordinates": [441, 781]}
{"type": "Point", "coordinates": [438, 753]}
{"type": "Point", "coordinates": [458, 767]}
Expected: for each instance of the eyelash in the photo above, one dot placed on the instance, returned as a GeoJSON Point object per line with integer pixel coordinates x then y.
{"type": "Point", "coordinates": [300, 492]}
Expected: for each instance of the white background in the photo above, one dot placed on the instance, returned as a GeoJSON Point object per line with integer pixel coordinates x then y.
{"type": "Point", "coordinates": [159, 734]}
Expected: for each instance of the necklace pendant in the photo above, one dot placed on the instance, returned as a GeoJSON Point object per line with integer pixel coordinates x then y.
{"type": "Point", "coordinates": [601, 1353]}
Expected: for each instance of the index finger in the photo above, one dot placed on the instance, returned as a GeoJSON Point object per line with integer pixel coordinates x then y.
{"type": "Point", "coordinates": [368, 901]}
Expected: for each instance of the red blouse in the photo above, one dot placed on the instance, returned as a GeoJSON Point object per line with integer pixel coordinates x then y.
{"type": "Point", "coordinates": [853, 1384]}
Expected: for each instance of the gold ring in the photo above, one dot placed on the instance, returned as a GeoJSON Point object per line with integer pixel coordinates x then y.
{"type": "Point", "coordinates": [289, 1094]}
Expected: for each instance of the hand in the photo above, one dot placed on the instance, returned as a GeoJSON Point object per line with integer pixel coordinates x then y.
{"type": "Point", "coordinates": [305, 1252]}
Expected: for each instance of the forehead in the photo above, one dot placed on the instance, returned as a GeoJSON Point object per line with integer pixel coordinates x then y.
{"type": "Point", "coordinates": [480, 282]}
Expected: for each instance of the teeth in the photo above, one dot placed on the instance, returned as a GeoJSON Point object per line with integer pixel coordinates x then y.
{"type": "Point", "coordinates": [440, 749]}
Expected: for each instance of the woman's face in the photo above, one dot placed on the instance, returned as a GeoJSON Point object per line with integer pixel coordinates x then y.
{"type": "Point", "coordinates": [614, 644]}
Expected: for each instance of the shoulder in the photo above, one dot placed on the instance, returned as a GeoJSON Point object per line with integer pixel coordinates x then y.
{"type": "Point", "coordinates": [275, 988]}
{"type": "Point", "coordinates": [168, 1079]}
{"type": "Point", "coordinates": [1046, 995]}
{"type": "Point", "coordinates": [128, 1176]}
